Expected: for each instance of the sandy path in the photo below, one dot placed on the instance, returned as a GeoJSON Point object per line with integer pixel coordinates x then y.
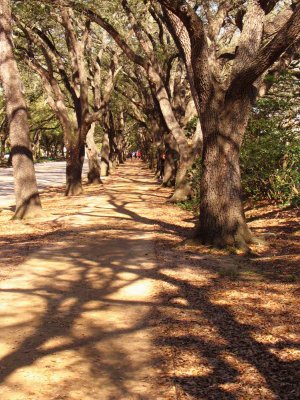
{"type": "Point", "coordinates": [77, 318]}
{"type": "Point", "coordinates": [112, 302]}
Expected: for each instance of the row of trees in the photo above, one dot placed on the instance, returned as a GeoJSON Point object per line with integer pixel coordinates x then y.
{"type": "Point", "coordinates": [174, 76]}
{"type": "Point", "coordinates": [44, 129]}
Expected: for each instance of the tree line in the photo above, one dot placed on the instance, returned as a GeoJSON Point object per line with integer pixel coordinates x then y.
{"type": "Point", "coordinates": [175, 77]}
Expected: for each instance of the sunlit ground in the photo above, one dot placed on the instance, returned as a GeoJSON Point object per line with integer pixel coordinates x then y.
{"type": "Point", "coordinates": [112, 305]}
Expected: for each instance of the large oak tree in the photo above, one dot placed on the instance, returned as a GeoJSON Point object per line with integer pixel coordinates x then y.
{"type": "Point", "coordinates": [28, 203]}
{"type": "Point", "coordinates": [231, 47]}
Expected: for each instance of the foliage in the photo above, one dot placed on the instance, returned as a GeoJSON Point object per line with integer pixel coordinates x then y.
{"type": "Point", "coordinates": [270, 157]}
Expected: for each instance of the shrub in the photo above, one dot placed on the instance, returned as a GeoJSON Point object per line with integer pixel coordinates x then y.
{"type": "Point", "coordinates": [270, 157]}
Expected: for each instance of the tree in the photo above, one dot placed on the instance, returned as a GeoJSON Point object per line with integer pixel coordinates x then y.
{"type": "Point", "coordinates": [28, 203]}
{"type": "Point", "coordinates": [150, 65]}
{"type": "Point", "coordinates": [231, 48]}
{"type": "Point", "coordinates": [70, 80]}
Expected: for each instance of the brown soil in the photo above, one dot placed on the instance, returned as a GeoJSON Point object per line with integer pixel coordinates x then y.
{"type": "Point", "coordinates": [104, 298]}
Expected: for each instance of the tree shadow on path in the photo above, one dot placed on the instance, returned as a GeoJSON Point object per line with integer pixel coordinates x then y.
{"type": "Point", "coordinates": [108, 319]}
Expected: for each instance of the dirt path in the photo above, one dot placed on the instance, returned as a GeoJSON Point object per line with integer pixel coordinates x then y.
{"type": "Point", "coordinates": [102, 300]}
{"type": "Point", "coordinates": [76, 317]}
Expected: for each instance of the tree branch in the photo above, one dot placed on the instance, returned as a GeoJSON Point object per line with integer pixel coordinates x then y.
{"type": "Point", "coordinates": [285, 38]}
{"type": "Point", "coordinates": [114, 34]}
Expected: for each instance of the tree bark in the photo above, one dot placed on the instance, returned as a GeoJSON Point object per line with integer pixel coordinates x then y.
{"type": "Point", "coordinates": [222, 219]}
{"type": "Point", "coordinates": [170, 167]}
{"type": "Point", "coordinates": [28, 203]}
{"type": "Point", "coordinates": [105, 162]}
{"type": "Point", "coordinates": [183, 189]}
{"type": "Point", "coordinates": [3, 147]}
{"type": "Point", "coordinates": [75, 160]}
{"type": "Point", "coordinates": [4, 134]}
{"type": "Point", "coordinates": [93, 157]}
{"type": "Point", "coordinates": [169, 170]}
{"type": "Point", "coordinates": [113, 151]}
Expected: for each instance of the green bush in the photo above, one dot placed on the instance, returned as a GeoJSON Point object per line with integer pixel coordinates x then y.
{"type": "Point", "coordinates": [270, 157]}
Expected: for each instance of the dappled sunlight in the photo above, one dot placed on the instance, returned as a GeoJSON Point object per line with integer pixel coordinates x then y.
{"type": "Point", "coordinates": [117, 303]}
{"type": "Point", "coordinates": [88, 308]}
{"type": "Point", "coordinates": [139, 128]}
{"type": "Point", "coordinates": [136, 290]}
{"type": "Point", "coordinates": [77, 334]}
{"type": "Point", "coordinates": [229, 336]}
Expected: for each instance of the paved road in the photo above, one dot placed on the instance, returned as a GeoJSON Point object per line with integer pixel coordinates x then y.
{"type": "Point", "coordinates": [48, 174]}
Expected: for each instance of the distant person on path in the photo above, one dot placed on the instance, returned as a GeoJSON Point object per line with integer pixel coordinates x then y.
{"type": "Point", "coordinates": [139, 155]}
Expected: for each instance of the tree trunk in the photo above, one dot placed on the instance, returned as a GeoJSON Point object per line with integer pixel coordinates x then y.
{"type": "Point", "coordinates": [113, 153]}
{"type": "Point", "coordinates": [28, 203]}
{"type": "Point", "coordinates": [121, 157]}
{"type": "Point", "coordinates": [183, 189]}
{"type": "Point", "coordinates": [2, 149]}
{"type": "Point", "coordinates": [105, 164]}
{"type": "Point", "coordinates": [92, 153]}
{"type": "Point", "coordinates": [120, 140]}
{"type": "Point", "coordinates": [151, 157]}
{"type": "Point", "coordinates": [38, 148]}
{"type": "Point", "coordinates": [113, 149]}
{"type": "Point", "coordinates": [120, 148]}
{"type": "Point", "coordinates": [222, 218]}
{"type": "Point", "coordinates": [170, 168]}
{"type": "Point", "coordinates": [75, 160]}
{"type": "Point", "coordinates": [114, 161]}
